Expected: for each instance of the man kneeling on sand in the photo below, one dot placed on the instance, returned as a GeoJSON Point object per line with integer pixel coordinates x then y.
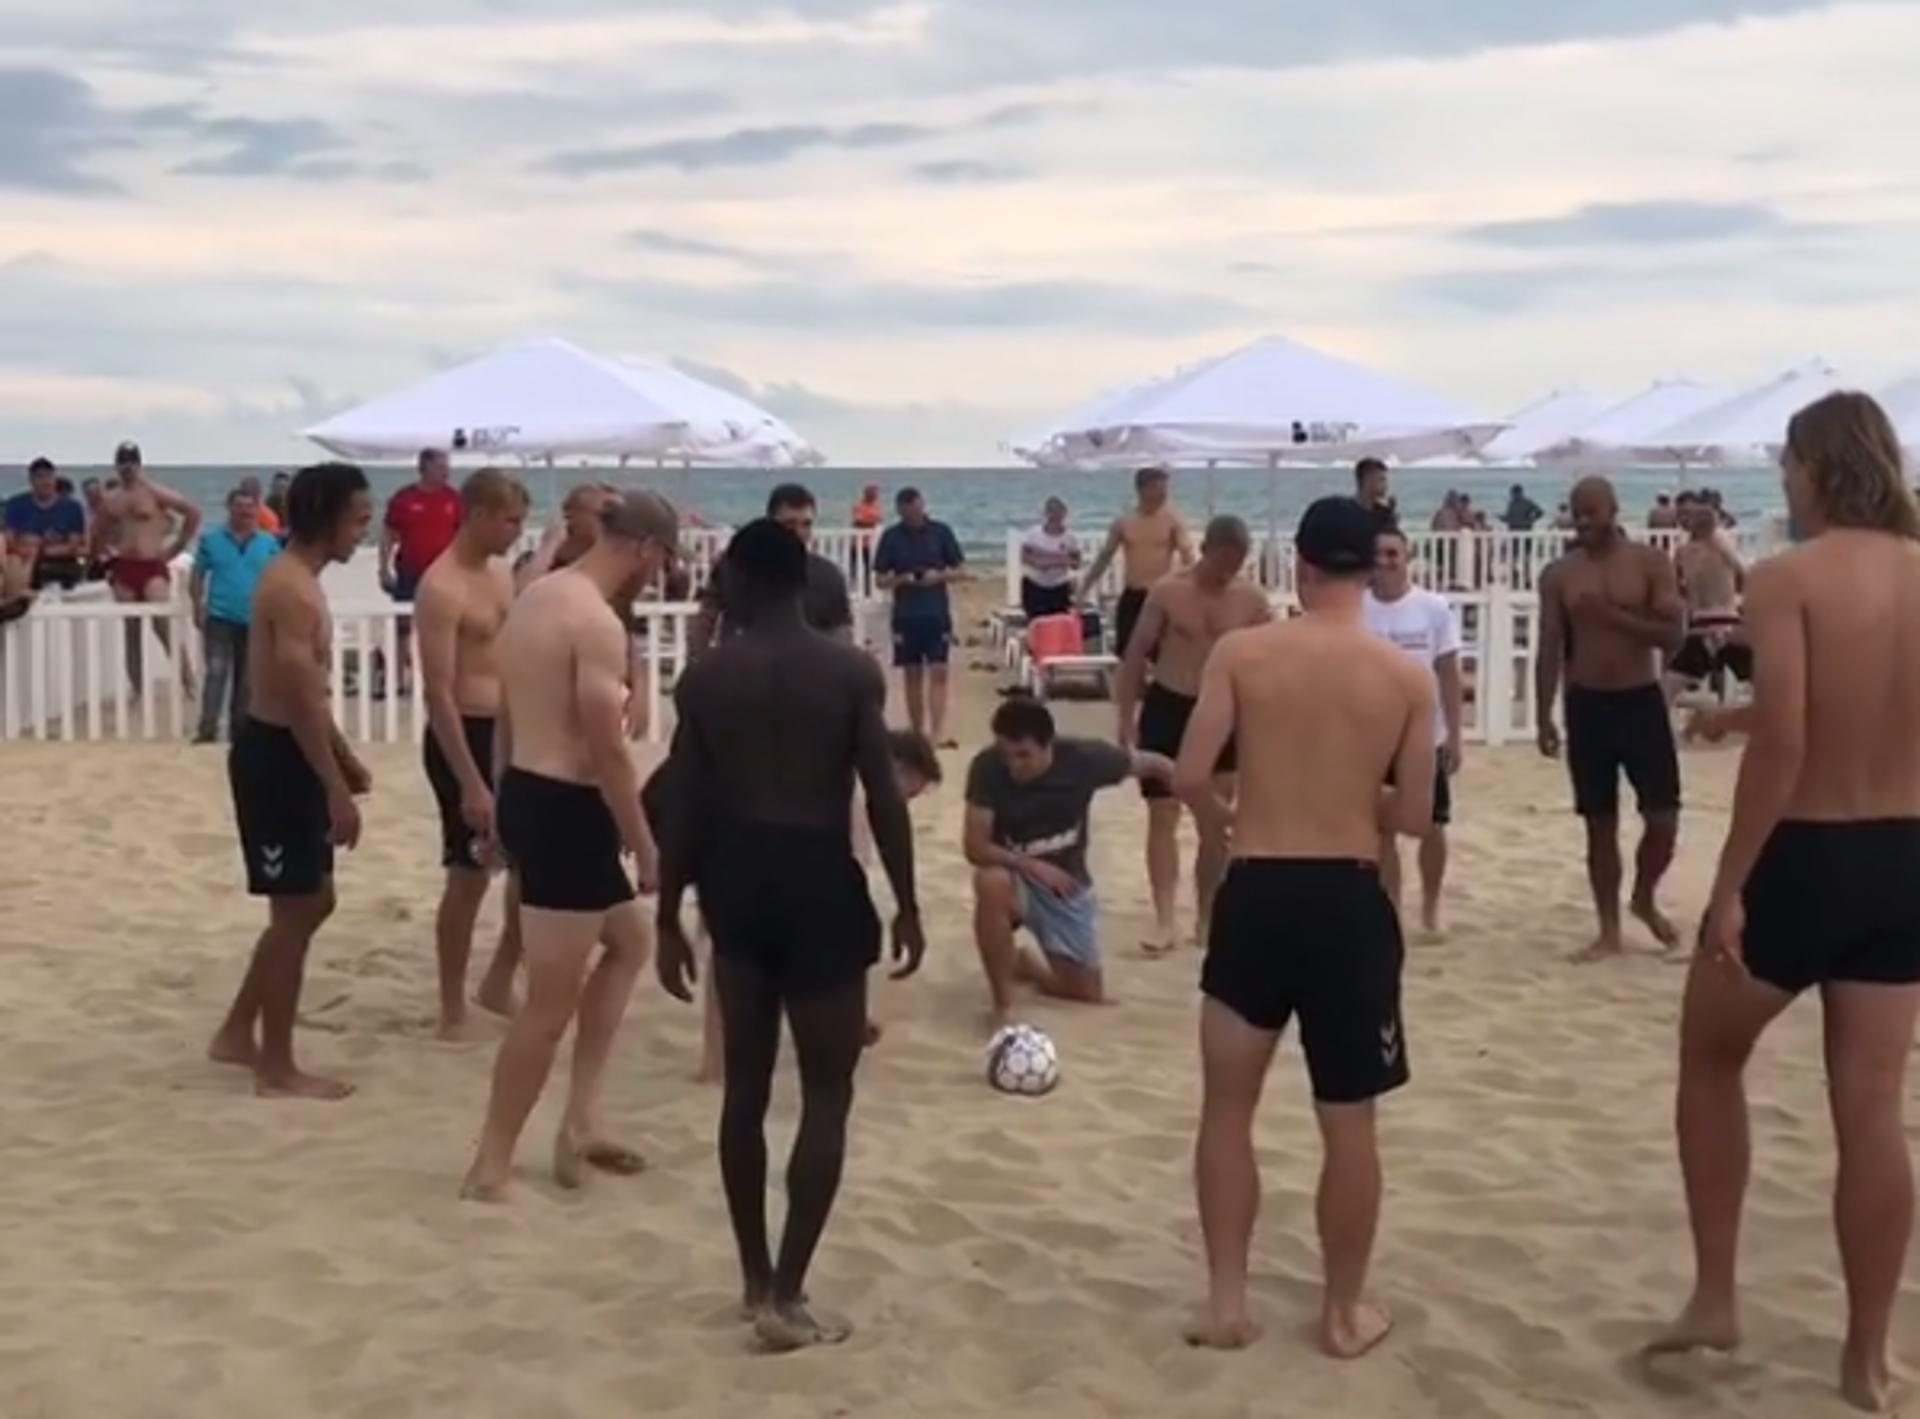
{"type": "Point", "coordinates": [1026, 838]}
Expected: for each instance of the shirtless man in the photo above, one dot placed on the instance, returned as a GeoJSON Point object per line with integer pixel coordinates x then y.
{"type": "Point", "coordinates": [1711, 579]}
{"type": "Point", "coordinates": [1185, 615]}
{"type": "Point", "coordinates": [1815, 884]}
{"type": "Point", "coordinates": [1609, 611]}
{"type": "Point", "coordinates": [567, 540]}
{"type": "Point", "coordinates": [142, 512]}
{"type": "Point", "coordinates": [1324, 713]}
{"type": "Point", "coordinates": [775, 724]}
{"type": "Point", "coordinates": [568, 809]}
{"type": "Point", "coordinates": [294, 778]}
{"type": "Point", "coordinates": [1155, 541]}
{"type": "Point", "coordinates": [461, 605]}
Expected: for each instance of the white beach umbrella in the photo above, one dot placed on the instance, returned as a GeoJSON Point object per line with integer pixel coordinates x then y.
{"type": "Point", "coordinates": [539, 399]}
{"type": "Point", "coordinates": [1613, 436]}
{"type": "Point", "coordinates": [1902, 403]}
{"type": "Point", "coordinates": [1747, 428]}
{"type": "Point", "coordinates": [1543, 424]}
{"type": "Point", "coordinates": [1071, 441]}
{"type": "Point", "coordinates": [1276, 401]}
{"type": "Point", "coordinates": [720, 425]}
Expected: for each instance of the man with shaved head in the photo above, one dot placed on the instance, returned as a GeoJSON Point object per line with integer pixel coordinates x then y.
{"type": "Point", "coordinates": [1610, 615]}
{"type": "Point", "coordinates": [1183, 618]}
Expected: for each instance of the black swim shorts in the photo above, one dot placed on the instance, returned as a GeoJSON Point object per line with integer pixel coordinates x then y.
{"type": "Point", "coordinates": [1163, 725]}
{"type": "Point", "coordinates": [1442, 789]}
{"type": "Point", "coordinates": [1699, 659]}
{"type": "Point", "coordinates": [286, 835]}
{"type": "Point", "coordinates": [564, 843]}
{"type": "Point", "coordinates": [791, 903]}
{"type": "Point", "coordinates": [458, 845]}
{"type": "Point", "coordinates": [1835, 902]}
{"type": "Point", "coordinates": [1614, 731]}
{"type": "Point", "coordinates": [1126, 615]}
{"type": "Point", "coordinates": [1318, 939]}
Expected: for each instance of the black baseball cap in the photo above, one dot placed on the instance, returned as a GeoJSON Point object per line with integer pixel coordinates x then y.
{"type": "Point", "coordinates": [1337, 536]}
{"type": "Point", "coordinates": [127, 455]}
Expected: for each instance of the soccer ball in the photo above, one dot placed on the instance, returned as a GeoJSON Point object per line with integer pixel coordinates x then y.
{"type": "Point", "coordinates": [1023, 1061]}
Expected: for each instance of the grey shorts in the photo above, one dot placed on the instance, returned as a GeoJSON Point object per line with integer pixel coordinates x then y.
{"type": "Point", "coordinates": [1067, 927]}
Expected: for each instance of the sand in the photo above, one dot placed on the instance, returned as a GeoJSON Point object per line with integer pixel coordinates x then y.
{"type": "Point", "coordinates": [173, 1246]}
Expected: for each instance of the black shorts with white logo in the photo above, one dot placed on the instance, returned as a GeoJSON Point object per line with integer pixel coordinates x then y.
{"type": "Point", "coordinates": [286, 835]}
{"type": "Point", "coordinates": [1317, 939]}
{"type": "Point", "coordinates": [458, 845]}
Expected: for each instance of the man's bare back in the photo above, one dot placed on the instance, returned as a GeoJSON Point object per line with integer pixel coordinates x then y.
{"type": "Point", "coordinates": [478, 601]}
{"type": "Point", "coordinates": [1858, 595]}
{"type": "Point", "coordinates": [1324, 713]}
{"type": "Point", "coordinates": [538, 653]}
{"type": "Point", "coordinates": [1193, 618]}
{"type": "Point", "coordinates": [1588, 593]}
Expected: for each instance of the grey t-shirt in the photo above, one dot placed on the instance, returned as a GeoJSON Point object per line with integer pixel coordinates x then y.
{"type": "Point", "coordinates": [1047, 818]}
{"type": "Point", "coordinates": [826, 603]}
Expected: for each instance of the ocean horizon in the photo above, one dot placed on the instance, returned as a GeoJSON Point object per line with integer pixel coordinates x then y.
{"type": "Point", "coordinates": [980, 504]}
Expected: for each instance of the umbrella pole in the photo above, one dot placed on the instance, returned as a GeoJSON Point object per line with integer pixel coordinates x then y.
{"type": "Point", "coordinates": [1273, 518]}
{"type": "Point", "coordinates": [1213, 470]}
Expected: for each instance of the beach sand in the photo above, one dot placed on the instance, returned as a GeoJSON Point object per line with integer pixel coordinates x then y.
{"type": "Point", "coordinates": [173, 1246]}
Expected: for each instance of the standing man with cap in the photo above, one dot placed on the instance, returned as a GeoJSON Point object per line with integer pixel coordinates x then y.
{"type": "Point", "coordinates": [421, 523]}
{"type": "Point", "coordinates": [1323, 713]}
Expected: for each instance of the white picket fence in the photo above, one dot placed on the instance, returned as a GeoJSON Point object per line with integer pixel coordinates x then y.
{"type": "Point", "coordinates": [849, 548]}
{"type": "Point", "coordinates": [1451, 562]}
{"type": "Point", "coordinates": [64, 672]}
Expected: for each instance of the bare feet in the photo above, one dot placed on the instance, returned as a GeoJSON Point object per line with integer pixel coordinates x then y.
{"type": "Point", "coordinates": [1604, 949]}
{"type": "Point", "coordinates": [497, 999]}
{"type": "Point", "coordinates": [1350, 1333]}
{"type": "Point", "coordinates": [791, 1326]}
{"type": "Point", "coordinates": [479, 1188]}
{"type": "Point", "coordinates": [1866, 1384]}
{"type": "Point", "coordinates": [574, 1152]}
{"type": "Point", "coordinates": [1648, 915]}
{"type": "Point", "coordinates": [709, 1072]}
{"type": "Point", "coordinates": [293, 1084]}
{"type": "Point", "coordinates": [1430, 920]}
{"type": "Point", "coordinates": [458, 1030]}
{"type": "Point", "coordinates": [233, 1049]}
{"type": "Point", "coordinates": [1157, 943]}
{"type": "Point", "coordinates": [1234, 1333]}
{"type": "Point", "coordinates": [1702, 1326]}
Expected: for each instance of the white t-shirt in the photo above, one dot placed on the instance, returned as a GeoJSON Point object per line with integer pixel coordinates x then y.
{"type": "Point", "coordinates": [1055, 555]}
{"type": "Point", "coordinates": [1421, 623]}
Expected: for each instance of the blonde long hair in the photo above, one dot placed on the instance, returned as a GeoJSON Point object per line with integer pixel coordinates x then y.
{"type": "Point", "coordinates": [1847, 446]}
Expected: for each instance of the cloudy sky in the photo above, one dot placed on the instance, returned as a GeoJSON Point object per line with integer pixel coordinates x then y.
{"type": "Point", "coordinates": [916, 228]}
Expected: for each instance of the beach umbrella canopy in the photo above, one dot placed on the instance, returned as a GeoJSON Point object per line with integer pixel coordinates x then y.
{"type": "Point", "coordinates": [1062, 444]}
{"type": "Point", "coordinates": [1272, 402]}
{"type": "Point", "coordinates": [1902, 403]}
{"type": "Point", "coordinates": [1747, 428]}
{"type": "Point", "coordinates": [1633, 423]}
{"type": "Point", "coordinates": [548, 399]}
{"type": "Point", "coordinates": [1543, 424]}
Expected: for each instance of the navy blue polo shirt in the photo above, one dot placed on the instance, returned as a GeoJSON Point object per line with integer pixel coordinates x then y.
{"type": "Point", "coordinates": [904, 550]}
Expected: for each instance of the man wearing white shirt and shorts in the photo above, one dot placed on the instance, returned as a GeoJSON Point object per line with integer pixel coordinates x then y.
{"type": "Point", "coordinates": [1049, 557]}
{"type": "Point", "coordinates": [1422, 624]}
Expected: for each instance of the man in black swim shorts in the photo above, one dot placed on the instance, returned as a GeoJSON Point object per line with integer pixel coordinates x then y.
{"type": "Point", "coordinates": [462, 604]}
{"type": "Point", "coordinates": [294, 778]}
{"type": "Point", "coordinates": [1323, 712]}
{"type": "Point", "coordinates": [1183, 618]}
{"type": "Point", "coordinates": [569, 808]}
{"type": "Point", "coordinates": [1816, 883]}
{"type": "Point", "coordinates": [775, 724]}
{"type": "Point", "coordinates": [1610, 613]}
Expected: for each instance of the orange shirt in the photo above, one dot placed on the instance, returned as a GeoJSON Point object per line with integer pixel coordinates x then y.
{"type": "Point", "coordinates": [867, 514]}
{"type": "Point", "coordinates": [269, 520]}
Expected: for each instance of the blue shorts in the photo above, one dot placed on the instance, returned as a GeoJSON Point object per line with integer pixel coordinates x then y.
{"type": "Point", "coordinates": [925, 640]}
{"type": "Point", "coordinates": [1067, 927]}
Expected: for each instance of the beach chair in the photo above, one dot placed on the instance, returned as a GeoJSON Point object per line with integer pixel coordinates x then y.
{"type": "Point", "coordinates": [1055, 649]}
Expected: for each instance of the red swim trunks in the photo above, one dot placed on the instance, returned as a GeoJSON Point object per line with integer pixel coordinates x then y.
{"type": "Point", "coordinates": [136, 574]}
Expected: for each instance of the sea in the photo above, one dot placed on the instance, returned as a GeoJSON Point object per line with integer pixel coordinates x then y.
{"type": "Point", "coordinates": [980, 504]}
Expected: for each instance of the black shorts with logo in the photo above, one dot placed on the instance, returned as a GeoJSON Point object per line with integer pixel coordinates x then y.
{"type": "Point", "coordinates": [286, 833]}
{"type": "Point", "coordinates": [458, 845]}
{"type": "Point", "coordinates": [1835, 902]}
{"type": "Point", "coordinates": [1317, 939]}
{"type": "Point", "coordinates": [1610, 732]}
